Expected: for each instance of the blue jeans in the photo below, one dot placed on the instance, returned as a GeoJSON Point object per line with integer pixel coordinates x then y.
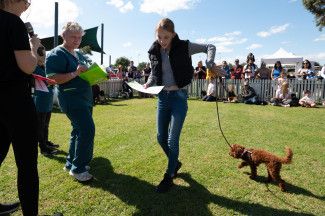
{"type": "Point", "coordinates": [172, 109]}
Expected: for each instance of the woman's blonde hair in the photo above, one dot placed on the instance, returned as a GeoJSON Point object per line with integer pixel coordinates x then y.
{"type": "Point", "coordinates": [285, 87]}
{"type": "Point", "coordinates": [166, 24]}
{"type": "Point", "coordinates": [72, 26]}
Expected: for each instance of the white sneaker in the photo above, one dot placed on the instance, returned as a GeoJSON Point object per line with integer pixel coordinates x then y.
{"type": "Point", "coordinates": [82, 177]}
{"type": "Point", "coordinates": [67, 170]}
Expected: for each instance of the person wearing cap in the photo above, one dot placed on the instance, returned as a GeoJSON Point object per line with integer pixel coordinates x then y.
{"type": "Point", "coordinates": [248, 94]}
{"type": "Point", "coordinates": [237, 70]}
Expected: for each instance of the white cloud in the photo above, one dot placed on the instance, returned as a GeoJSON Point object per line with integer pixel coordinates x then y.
{"type": "Point", "coordinates": [119, 4]}
{"type": "Point", "coordinates": [320, 38]}
{"type": "Point", "coordinates": [127, 44]}
{"type": "Point", "coordinates": [224, 42]}
{"type": "Point", "coordinates": [292, 1]}
{"type": "Point", "coordinates": [231, 34]}
{"type": "Point", "coordinates": [254, 46]}
{"type": "Point", "coordinates": [127, 7]}
{"type": "Point", "coordinates": [223, 49]}
{"type": "Point", "coordinates": [163, 7]}
{"type": "Point", "coordinates": [116, 3]}
{"type": "Point", "coordinates": [286, 42]}
{"type": "Point", "coordinates": [319, 57]}
{"type": "Point", "coordinates": [41, 12]}
{"type": "Point", "coordinates": [273, 30]}
{"type": "Point", "coordinates": [201, 40]}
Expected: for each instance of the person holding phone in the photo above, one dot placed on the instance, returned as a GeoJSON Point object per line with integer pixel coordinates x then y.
{"type": "Point", "coordinates": [18, 121]}
{"type": "Point", "coordinates": [64, 64]}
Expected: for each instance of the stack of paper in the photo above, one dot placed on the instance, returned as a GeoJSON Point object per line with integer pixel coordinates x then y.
{"type": "Point", "coordinates": [151, 90]}
{"type": "Point", "coordinates": [94, 74]}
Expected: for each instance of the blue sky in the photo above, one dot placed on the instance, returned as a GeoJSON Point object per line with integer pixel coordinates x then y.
{"type": "Point", "coordinates": [236, 27]}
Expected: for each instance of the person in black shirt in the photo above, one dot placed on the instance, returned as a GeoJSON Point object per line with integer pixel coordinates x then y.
{"type": "Point", "coordinates": [200, 71]}
{"type": "Point", "coordinates": [131, 70]}
{"type": "Point", "coordinates": [18, 121]}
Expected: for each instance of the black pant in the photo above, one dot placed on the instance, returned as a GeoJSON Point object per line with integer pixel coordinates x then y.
{"type": "Point", "coordinates": [43, 120]}
{"type": "Point", "coordinates": [18, 125]}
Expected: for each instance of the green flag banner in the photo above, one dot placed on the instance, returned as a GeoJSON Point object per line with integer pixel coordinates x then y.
{"type": "Point", "coordinates": [94, 74]}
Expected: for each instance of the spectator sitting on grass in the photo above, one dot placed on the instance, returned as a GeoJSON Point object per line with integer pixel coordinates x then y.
{"type": "Point", "coordinates": [232, 98]}
{"type": "Point", "coordinates": [211, 92]}
{"type": "Point", "coordinates": [282, 96]}
{"type": "Point", "coordinates": [248, 94]}
{"type": "Point", "coordinates": [307, 100]}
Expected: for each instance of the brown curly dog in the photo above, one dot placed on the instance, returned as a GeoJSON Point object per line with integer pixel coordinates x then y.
{"type": "Point", "coordinates": [254, 157]}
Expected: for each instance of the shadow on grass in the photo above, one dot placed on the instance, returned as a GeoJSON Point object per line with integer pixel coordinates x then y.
{"type": "Point", "coordinates": [181, 200]}
{"type": "Point", "coordinates": [60, 156]}
{"type": "Point", "coordinates": [291, 188]}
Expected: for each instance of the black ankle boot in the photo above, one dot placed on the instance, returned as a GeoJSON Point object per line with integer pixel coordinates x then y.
{"type": "Point", "coordinates": [165, 184]}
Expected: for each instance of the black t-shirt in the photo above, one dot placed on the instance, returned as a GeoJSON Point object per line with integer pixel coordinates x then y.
{"type": "Point", "coordinates": [201, 74]}
{"type": "Point", "coordinates": [147, 71]}
{"type": "Point", "coordinates": [13, 37]}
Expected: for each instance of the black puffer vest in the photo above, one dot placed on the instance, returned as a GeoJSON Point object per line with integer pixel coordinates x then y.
{"type": "Point", "coordinates": [180, 61]}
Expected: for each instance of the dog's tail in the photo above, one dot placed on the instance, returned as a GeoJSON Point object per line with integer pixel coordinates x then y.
{"type": "Point", "coordinates": [288, 157]}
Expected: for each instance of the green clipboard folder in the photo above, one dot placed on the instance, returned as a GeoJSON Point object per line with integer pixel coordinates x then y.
{"type": "Point", "coordinates": [94, 74]}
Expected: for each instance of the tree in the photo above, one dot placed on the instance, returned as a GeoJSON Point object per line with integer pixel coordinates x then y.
{"type": "Point", "coordinates": [316, 7]}
{"type": "Point", "coordinates": [122, 61]}
{"type": "Point", "coordinates": [141, 66]}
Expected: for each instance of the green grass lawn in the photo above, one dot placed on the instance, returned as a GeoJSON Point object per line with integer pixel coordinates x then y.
{"type": "Point", "coordinates": [128, 163]}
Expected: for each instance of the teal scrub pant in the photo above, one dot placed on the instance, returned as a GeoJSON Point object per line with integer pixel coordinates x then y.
{"type": "Point", "coordinates": [82, 138]}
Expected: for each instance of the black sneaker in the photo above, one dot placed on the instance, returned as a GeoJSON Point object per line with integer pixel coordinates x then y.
{"type": "Point", "coordinates": [165, 184]}
{"type": "Point", "coordinates": [48, 151]}
{"type": "Point", "coordinates": [52, 145]}
{"type": "Point", "coordinates": [178, 166]}
{"type": "Point", "coordinates": [8, 208]}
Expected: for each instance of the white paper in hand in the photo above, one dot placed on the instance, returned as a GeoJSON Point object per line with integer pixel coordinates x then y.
{"type": "Point", "coordinates": [151, 90]}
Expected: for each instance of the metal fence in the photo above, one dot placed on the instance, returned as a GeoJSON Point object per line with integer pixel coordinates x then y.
{"type": "Point", "coordinates": [265, 89]}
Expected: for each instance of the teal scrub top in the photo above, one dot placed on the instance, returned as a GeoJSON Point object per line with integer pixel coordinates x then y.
{"type": "Point", "coordinates": [43, 100]}
{"type": "Point", "coordinates": [76, 92]}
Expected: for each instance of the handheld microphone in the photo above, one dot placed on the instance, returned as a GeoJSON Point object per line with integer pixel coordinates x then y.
{"type": "Point", "coordinates": [30, 29]}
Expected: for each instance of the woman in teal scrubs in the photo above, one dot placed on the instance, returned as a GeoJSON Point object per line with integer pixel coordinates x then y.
{"type": "Point", "coordinates": [64, 64]}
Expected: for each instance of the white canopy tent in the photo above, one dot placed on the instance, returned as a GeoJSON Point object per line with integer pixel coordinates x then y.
{"type": "Point", "coordinates": [286, 58]}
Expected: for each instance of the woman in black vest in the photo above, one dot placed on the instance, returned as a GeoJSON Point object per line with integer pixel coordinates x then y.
{"type": "Point", "coordinates": [18, 122]}
{"type": "Point", "coordinates": [172, 67]}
